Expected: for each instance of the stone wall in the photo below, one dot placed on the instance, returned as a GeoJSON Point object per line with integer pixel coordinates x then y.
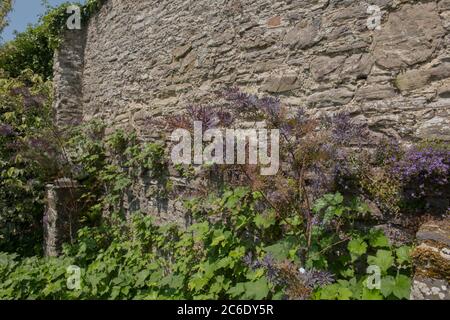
{"type": "Point", "coordinates": [61, 218]}
{"type": "Point", "coordinates": [431, 260]}
{"type": "Point", "coordinates": [137, 60]}
{"type": "Point", "coordinates": [147, 58]}
{"type": "Point", "coordinates": [67, 80]}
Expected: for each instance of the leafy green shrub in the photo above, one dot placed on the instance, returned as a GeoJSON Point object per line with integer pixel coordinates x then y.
{"type": "Point", "coordinates": [24, 119]}
{"type": "Point", "coordinates": [30, 49]}
{"type": "Point", "coordinates": [5, 8]}
{"type": "Point", "coordinates": [34, 48]}
{"type": "Point", "coordinates": [231, 252]}
{"type": "Point", "coordinates": [108, 166]}
{"type": "Point", "coordinates": [280, 238]}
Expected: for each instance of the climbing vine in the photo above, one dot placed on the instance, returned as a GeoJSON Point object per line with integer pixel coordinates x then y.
{"type": "Point", "coordinates": [34, 48]}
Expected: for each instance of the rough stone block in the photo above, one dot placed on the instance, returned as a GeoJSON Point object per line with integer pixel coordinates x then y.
{"type": "Point", "coordinates": [61, 219]}
{"type": "Point", "coordinates": [431, 259]}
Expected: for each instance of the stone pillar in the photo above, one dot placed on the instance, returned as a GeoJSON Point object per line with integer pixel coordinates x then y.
{"type": "Point", "coordinates": [67, 78]}
{"type": "Point", "coordinates": [61, 219]}
{"type": "Point", "coordinates": [431, 259]}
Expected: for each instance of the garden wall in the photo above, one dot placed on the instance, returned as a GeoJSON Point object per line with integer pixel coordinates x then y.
{"type": "Point", "coordinates": [138, 60]}
{"type": "Point", "coordinates": [141, 59]}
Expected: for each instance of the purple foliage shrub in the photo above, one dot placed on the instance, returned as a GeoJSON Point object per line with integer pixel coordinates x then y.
{"type": "Point", "coordinates": [423, 172]}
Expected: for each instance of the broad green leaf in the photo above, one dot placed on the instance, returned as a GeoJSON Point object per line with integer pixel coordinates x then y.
{"type": "Point", "coordinates": [357, 247]}
{"type": "Point", "coordinates": [255, 275]}
{"type": "Point", "coordinates": [329, 292]}
{"type": "Point", "coordinates": [264, 221]}
{"type": "Point", "coordinates": [377, 239]}
{"type": "Point", "coordinates": [344, 293]}
{"type": "Point", "coordinates": [348, 273]}
{"type": "Point", "coordinates": [141, 277]}
{"type": "Point", "coordinates": [319, 205]}
{"type": "Point", "coordinates": [237, 290]}
{"type": "Point", "coordinates": [257, 290]}
{"type": "Point", "coordinates": [402, 287]}
{"type": "Point", "coordinates": [387, 285]}
{"type": "Point", "coordinates": [384, 260]}
{"type": "Point", "coordinates": [403, 255]}
{"type": "Point", "coordinates": [368, 294]}
{"type": "Point", "coordinates": [335, 292]}
{"type": "Point", "coordinates": [281, 250]}
{"type": "Point", "coordinates": [219, 236]}
{"type": "Point", "coordinates": [197, 282]}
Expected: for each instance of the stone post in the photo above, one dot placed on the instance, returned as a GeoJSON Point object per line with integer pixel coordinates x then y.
{"type": "Point", "coordinates": [431, 259]}
{"type": "Point", "coordinates": [67, 83]}
{"type": "Point", "coordinates": [61, 219]}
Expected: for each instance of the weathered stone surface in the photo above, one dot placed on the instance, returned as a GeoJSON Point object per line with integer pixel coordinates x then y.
{"type": "Point", "coordinates": [411, 35]}
{"type": "Point", "coordinates": [430, 289]}
{"type": "Point", "coordinates": [435, 231]}
{"type": "Point", "coordinates": [375, 92]}
{"type": "Point", "coordinates": [397, 235]}
{"type": "Point", "coordinates": [415, 79]}
{"type": "Point", "coordinates": [304, 35]}
{"type": "Point", "coordinates": [444, 5]}
{"type": "Point", "coordinates": [332, 97]}
{"type": "Point", "coordinates": [444, 91]}
{"type": "Point", "coordinates": [180, 52]}
{"type": "Point", "coordinates": [357, 66]}
{"type": "Point", "coordinates": [431, 259]}
{"type": "Point", "coordinates": [274, 22]}
{"type": "Point", "coordinates": [61, 219]}
{"type": "Point", "coordinates": [281, 83]}
{"type": "Point", "coordinates": [432, 255]}
{"type": "Point", "coordinates": [445, 17]}
{"type": "Point", "coordinates": [139, 60]}
{"type": "Point", "coordinates": [67, 80]}
{"type": "Point", "coordinates": [438, 126]}
{"type": "Point", "coordinates": [324, 66]}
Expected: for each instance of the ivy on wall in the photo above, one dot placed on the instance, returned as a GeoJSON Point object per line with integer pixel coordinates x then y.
{"type": "Point", "coordinates": [34, 48]}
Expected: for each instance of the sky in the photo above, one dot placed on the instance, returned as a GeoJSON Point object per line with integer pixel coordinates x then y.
{"type": "Point", "coordinates": [26, 12]}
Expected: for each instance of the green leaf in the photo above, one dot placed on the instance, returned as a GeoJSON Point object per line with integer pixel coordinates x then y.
{"type": "Point", "coordinates": [257, 290]}
{"type": "Point", "coordinates": [219, 237]}
{"type": "Point", "coordinates": [254, 275]}
{"type": "Point", "coordinates": [281, 250]}
{"type": "Point", "coordinates": [265, 221]}
{"type": "Point", "coordinates": [237, 290]}
{"type": "Point", "coordinates": [387, 286]}
{"type": "Point", "coordinates": [347, 273]}
{"type": "Point", "coordinates": [197, 282]}
{"type": "Point", "coordinates": [402, 287]}
{"type": "Point", "coordinates": [357, 247]}
{"type": "Point", "coordinates": [329, 292]}
{"type": "Point", "coordinates": [335, 291]}
{"type": "Point", "coordinates": [320, 205]}
{"type": "Point", "coordinates": [384, 260]}
{"type": "Point", "coordinates": [338, 198]}
{"type": "Point", "coordinates": [403, 255]}
{"type": "Point", "coordinates": [368, 294]}
{"type": "Point", "coordinates": [344, 293]}
{"type": "Point", "coordinates": [377, 239]}
{"type": "Point", "coordinates": [141, 277]}
{"type": "Point", "coordinates": [218, 285]}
